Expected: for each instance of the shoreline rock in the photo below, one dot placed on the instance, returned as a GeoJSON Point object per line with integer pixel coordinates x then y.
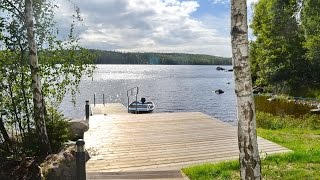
{"type": "Point", "coordinates": [61, 165]}
{"type": "Point", "coordinates": [77, 129]}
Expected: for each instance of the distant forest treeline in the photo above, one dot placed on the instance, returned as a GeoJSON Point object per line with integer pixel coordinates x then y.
{"type": "Point", "coordinates": [113, 57]}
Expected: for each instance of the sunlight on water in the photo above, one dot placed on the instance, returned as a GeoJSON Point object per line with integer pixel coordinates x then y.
{"type": "Point", "coordinates": [180, 88]}
{"type": "Point", "coordinates": [123, 72]}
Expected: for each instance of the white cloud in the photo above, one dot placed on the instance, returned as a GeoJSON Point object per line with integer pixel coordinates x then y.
{"type": "Point", "coordinates": [152, 25]}
{"type": "Point", "coordinates": [219, 1]}
{"type": "Point", "coordinates": [249, 2]}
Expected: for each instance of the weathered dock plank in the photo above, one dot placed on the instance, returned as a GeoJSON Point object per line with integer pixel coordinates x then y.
{"type": "Point", "coordinates": [109, 108]}
{"type": "Point", "coordinates": [160, 141]}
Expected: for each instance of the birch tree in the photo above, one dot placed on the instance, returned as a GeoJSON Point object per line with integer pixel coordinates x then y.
{"type": "Point", "coordinates": [37, 68]}
{"type": "Point", "coordinates": [39, 108]}
{"type": "Point", "coordinates": [247, 138]}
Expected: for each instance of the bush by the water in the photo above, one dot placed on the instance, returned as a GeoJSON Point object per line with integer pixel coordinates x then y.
{"type": "Point", "coordinates": [19, 158]}
{"type": "Point", "coordinates": [269, 121]}
{"type": "Point", "coordinates": [26, 143]}
{"type": "Point", "coordinates": [57, 129]}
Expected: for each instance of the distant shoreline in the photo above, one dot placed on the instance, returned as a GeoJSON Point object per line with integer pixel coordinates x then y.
{"type": "Point", "coordinates": [113, 57]}
{"type": "Point", "coordinates": [170, 64]}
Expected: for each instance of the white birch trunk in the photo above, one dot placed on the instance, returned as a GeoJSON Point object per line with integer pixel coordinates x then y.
{"type": "Point", "coordinates": [247, 138]}
{"type": "Point", "coordinates": [39, 109]}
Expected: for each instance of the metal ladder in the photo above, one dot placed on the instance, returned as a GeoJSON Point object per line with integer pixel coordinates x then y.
{"type": "Point", "coordinates": [133, 92]}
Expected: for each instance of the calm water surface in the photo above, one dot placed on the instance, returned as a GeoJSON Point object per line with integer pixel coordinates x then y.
{"type": "Point", "coordinates": [178, 88]}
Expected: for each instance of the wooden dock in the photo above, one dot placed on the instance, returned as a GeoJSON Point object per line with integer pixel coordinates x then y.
{"type": "Point", "coordinates": [108, 109]}
{"type": "Point", "coordinates": [127, 145]}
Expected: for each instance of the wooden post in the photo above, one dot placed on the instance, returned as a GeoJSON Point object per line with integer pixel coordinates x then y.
{"type": "Point", "coordinates": [80, 160]}
{"type": "Point", "coordinates": [87, 110]}
{"type": "Point", "coordinates": [103, 99]}
{"type": "Point", "coordinates": [94, 99]}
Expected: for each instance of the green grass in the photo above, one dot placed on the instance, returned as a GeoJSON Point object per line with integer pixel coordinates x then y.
{"type": "Point", "coordinates": [269, 121]}
{"type": "Point", "coordinates": [302, 163]}
{"type": "Point", "coordinates": [224, 170]}
{"type": "Point", "coordinates": [300, 135]}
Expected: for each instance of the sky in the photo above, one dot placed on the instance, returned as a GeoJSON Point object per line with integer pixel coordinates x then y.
{"type": "Point", "coordinates": [182, 26]}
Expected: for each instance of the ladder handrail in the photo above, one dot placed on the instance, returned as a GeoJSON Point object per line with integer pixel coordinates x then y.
{"type": "Point", "coordinates": [137, 92]}
{"type": "Point", "coordinates": [132, 91]}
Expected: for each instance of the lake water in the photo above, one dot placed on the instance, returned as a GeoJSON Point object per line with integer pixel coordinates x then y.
{"type": "Point", "coordinates": [173, 88]}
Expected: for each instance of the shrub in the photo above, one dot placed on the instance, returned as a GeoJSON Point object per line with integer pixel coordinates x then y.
{"type": "Point", "coordinates": [57, 129]}
{"type": "Point", "coordinates": [269, 121]}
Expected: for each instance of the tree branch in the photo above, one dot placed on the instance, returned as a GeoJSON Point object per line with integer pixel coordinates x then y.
{"type": "Point", "coordinates": [18, 13]}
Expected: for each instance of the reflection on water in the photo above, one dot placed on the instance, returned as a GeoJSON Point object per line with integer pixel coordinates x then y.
{"type": "Point", "coordinates": [280, 107]}
{"type": "Point", "coordinates": [179, 88]}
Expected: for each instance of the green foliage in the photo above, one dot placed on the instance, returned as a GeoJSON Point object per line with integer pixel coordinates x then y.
{"type": "Point", "coordinates": [58, 133]}
{"type": "Point", "coordinates": [311, 26]}
{"type": "Point", "coordinates": [112, 57]}
{"type": "Point", "coordinates": [62, 64]}
{"type": "Point", "coordinates": [278, 54]}
{"type": "Point", "coordinates": [57, 129]}
{"type": "Point", "coordinates": [62, 71]}
{"type": "Point", "coordinates": [268, 121]}
{"type": "Point", "coordinates": [315, 93]}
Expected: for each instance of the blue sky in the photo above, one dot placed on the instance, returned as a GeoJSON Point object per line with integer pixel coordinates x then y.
{"type": "Point", "coordinates": [210, 7]}
{"type": "Point", "coordinates": [186, 26]}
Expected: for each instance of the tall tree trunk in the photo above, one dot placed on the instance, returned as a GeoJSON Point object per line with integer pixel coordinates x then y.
{"type": "Point", "coordinates": [4, 132]}
{"type": "Point", "coordinates": [39, 109]}
{"type": "Point", "coordinates": [247, 138]}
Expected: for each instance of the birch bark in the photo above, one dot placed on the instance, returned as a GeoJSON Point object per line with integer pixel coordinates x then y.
{"type": "Point", "coordinates": [247, 138]}
{"type": "Point", "coordinates": [39, 107]}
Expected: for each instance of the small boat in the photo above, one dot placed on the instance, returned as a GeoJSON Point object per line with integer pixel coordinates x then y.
{"type": "Point", "coordinates": [141, 107]}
